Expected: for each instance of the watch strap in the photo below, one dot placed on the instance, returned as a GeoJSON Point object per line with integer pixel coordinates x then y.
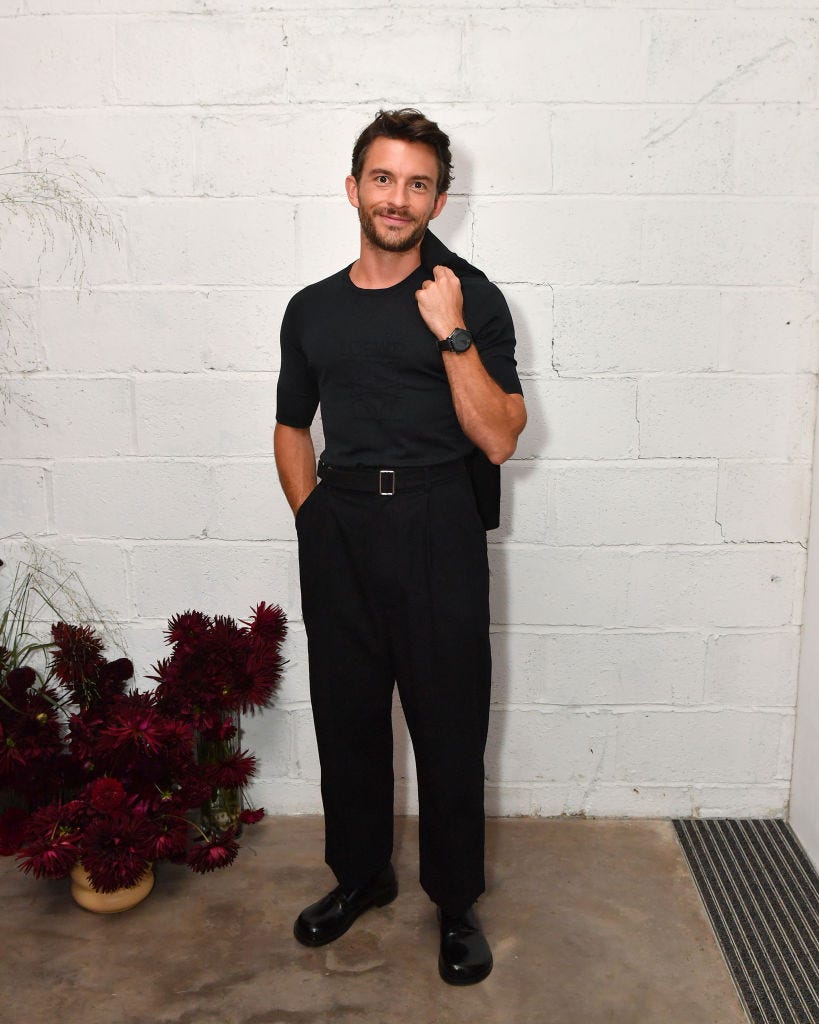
{"type": "Point", "coordinates": [459, 341]}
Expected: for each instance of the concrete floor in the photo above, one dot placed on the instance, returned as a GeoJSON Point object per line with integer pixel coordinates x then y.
{"type": "Point", "coordinates": [590, 921]}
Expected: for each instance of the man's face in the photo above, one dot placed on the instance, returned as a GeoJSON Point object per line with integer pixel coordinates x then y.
{"type": "Point", "coordinates": [396, 194]}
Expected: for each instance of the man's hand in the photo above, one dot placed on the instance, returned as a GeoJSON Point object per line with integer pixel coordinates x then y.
{"type": "Point", "coordinates": [441, 303]}
{"type": "Point", "coordinates": [296, 463]}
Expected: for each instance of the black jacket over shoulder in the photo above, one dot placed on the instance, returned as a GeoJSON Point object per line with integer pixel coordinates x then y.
{"type": "Point", "coordinates": [485, 475]}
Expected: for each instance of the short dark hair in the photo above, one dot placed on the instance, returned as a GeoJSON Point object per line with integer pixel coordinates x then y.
{"type": "Point", "coordinates": [410, 125]}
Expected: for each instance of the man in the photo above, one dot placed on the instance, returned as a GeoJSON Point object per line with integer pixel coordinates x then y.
{"type": "Point", "coordinates": [413, 365]}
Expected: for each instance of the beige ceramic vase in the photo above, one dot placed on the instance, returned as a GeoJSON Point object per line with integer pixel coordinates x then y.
{"type": "Point", "coordinates": [108, 902]}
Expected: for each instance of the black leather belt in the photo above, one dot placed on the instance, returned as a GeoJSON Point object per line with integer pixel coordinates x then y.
{"type": "Point", "coordinates": [388, 482]}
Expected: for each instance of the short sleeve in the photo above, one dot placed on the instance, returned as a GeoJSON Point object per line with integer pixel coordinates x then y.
{"type": "Point", "coordinates": [297, 395]}
{"type": "Point", "coordinates": [490, 322]}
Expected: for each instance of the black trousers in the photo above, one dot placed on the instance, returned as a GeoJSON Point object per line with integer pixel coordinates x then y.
{"type": "Point", "coordinates": [395, 589]}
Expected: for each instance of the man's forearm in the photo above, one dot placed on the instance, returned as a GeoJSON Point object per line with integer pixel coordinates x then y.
{"type": "Point", "coordinates": [295, 462]}
{"type": "Point", "coordinates": [489, 417]}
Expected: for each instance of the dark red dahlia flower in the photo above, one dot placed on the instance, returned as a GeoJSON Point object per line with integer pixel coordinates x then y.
{"type": "Point", "coordinates": [50, 846]}
{"type": "Point", "coordinates": [248, 817]}
{"type": "Point", "coordinates": [37, 726]}
{"type": "Point", "coordinates": [120, 670]}
{"type": "Point", "coordinates": [134, 726]}
{"type": "Point", "coordinates": [214, 729]}
{"type": "Point", "coordinates": [225, 631]}
{"type": "Point", "coordinates": [269, 623]}
{"type": "Point", "coordinates": [231, 772]}
{"type": "Point", "coordinates": [170, 839]}
{"type": "Point", "coordinates": [115, 851]}
{"type": "Point", "coordinates": [217, 853]}
{"type": "Point", "coordinates": [193, 792]}
{"type": "Point", "coordinates": [264, 667]}
{"type": "Point", "coordinates": [83, 729]}
{"type": "Point", "coordinates": [11, 756]}
{"type": "Point", "coordinates": [164, 668]}
{"type": "Point", "coordinates": [78, 656]}
{"type": "Point", "coordinates": [73, 814]}
{"type": "Point", "coordinates": [186, 628]}
{"type": "Point", "coordinates": [184, 691]}
{"type": "Point", "coordinates": [179, 735]}
{"type": "Point", "coordinates": [106, 794]}
{"type": "Point", "coordinates": [49, 858]}
{"type": "Point", "coordinates": [19, 680]}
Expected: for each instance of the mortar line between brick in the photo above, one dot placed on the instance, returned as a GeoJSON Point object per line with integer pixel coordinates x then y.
{"type": "Point", "coordinates": [48, 483]}
{"type": "Point", "coordinates": [132, 399]}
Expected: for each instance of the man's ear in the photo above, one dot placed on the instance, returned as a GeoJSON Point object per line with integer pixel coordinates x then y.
{"type": "Point", "coordinates": [440, 203]}
{"type": "Point", "coordinates": [352, 190]}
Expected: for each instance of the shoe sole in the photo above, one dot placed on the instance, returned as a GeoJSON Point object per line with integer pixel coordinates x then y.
{"type": "Point", "coordinates": [381, 899]}
{"type": "Point", "coordinates": [454, 978]}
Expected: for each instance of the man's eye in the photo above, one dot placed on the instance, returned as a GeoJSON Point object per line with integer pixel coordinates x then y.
{"type": "Point", "coordinates": [418, 185]}
{"type": "Point", "coordinates": [381, 179]}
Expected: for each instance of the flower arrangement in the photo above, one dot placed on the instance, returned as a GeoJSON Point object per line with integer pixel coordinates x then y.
{"type": "Point", "coordinates": [109, 777]}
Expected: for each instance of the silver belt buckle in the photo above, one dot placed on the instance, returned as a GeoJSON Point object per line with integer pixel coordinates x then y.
{"type": "Point", "coordinates": [386, 479]}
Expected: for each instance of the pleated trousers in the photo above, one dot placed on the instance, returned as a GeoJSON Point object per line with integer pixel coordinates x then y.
{"type": "Point", "coordinates": [395, 590]}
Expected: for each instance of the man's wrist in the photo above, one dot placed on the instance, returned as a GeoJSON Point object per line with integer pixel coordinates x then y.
{"type": "Point", "coordinates": [459, 326]}
{"type": "Point", "coordinates": [458, 342]}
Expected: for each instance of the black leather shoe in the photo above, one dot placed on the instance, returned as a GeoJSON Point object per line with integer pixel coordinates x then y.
{"type": "Point", "coordinates": [465, 956]}
{"type": "Point", "coordinates": [333, 914]}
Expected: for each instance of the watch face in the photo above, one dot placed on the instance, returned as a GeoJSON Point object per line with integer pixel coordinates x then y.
{"type": "Point", "coordinates": [460, 340]}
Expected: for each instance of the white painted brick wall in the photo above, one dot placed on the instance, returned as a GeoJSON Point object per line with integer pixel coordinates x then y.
{"type": "Point", "coordinates": [199, 60]}
{"type": "Point", "coordinates": [590, 668]}
{"type": "Point", "coordinates": [565, 55]}
{"type": "Point", "coordinates": [697, 746]}
{"type": "Point", "coordinates": [580, 418]}
{"type": "Point", "coordinates": [744, 507]}
{"type": "Point", "coordinates": [334, 55]}
{"type": "Point", "coordinates": [213, 241]}
{"type": "Point", "coordinates": [206, 415]}
{"type": "Point", "coordinates": [27, 262]}
{"type": "Point", "coordinates": [604, 150]}
{"type": "Point", "coordinates": [752, 668]}
{"type": "Point", "coordinates": [653, 503]}
{"type": "Point", "coordinates": [726, 241]}
{"type": "Point", "coordinates": [69, 416]}
{"type": "Point", "coordinates": [158, 329]}
{"type": "Point", "coordinates": [131, 498]}
{"type": "Point", "coordinates": [56, 61]}
{"type": "Point", "coordinates": [724, 417]}
{"type": "Point", "coordinates": [144, 151]}
{"type": "Point", "coordinates": [211, 574]}
{"type": "Point", "coordinates": [641, 180]}
{"type": "Point", "coordinates": [23, 499]}
{"type": "Point", "coordinates": [635, 586]}
{"type": "Point", "coordinates": [252, 154]}
{"type": "Point", "coordinates": [738, 56]}
{"type": "Point", "coordinates": [564, 240]}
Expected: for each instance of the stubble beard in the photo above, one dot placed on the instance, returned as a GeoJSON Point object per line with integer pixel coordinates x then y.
{"type": "Point", "coordinates": [389, 242]}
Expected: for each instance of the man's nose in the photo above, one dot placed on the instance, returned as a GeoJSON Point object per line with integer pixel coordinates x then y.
{"type": "Point", "coordinates": [395, 194]}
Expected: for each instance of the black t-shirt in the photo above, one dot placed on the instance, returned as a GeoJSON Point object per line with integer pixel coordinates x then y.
{"type": "Point", "coordinates": [368, 357]}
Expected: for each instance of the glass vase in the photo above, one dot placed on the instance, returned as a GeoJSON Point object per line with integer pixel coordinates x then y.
{"type": "Point", "coordinates": [221, 811]}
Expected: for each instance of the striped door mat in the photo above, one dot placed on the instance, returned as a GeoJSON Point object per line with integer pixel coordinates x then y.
{"type": "Point", "coordinates": [761, 893]}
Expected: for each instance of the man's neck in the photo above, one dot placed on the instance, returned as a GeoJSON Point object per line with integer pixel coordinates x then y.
{"type": "Point", "coordinates": [377, 268]}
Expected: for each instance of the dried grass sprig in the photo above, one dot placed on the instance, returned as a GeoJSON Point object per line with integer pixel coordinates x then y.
{"type": "Point", "coordinates": [54, 193]}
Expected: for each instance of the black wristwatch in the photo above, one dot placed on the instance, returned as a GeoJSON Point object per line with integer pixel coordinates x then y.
{"type": "Point", "coordinates": [458, 341]}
